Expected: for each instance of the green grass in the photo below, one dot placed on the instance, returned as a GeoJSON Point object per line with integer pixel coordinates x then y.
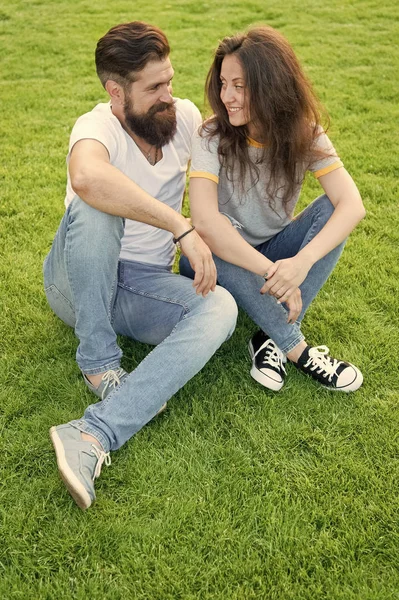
{"type": "Point", "coordinates": [234, 493]}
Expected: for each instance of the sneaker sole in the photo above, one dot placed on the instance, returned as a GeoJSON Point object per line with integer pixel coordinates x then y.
{"type": "Point", "coordinates": [260, 377]}
{"type": "Point", "coordinates": [72, 483]}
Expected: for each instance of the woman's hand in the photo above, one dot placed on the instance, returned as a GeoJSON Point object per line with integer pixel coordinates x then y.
{"type": "Point", "coordinates": [294, 304]}
{"type": "Point", "coordinates": [285, 276]}
{"type": "Point", "coordinates": [201, 261]}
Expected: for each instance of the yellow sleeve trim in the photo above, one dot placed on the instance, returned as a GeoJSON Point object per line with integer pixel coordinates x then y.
{"type": "Point", "coordinates": [329, 169]}
{"type": "Point", "coordinates": [205, 175]}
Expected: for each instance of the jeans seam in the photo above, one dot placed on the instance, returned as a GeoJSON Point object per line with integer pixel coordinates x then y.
{"type": "Point", "coordinates": [67, 250]}
{"type": "Point", "coordinates": [111, 306]}
{"type": "Point", "coordinates": [155, 296]}
{"type": "Point", "coordinates": [112, 290]}
{"type": "Point", "coordinates": [314, 227]}
{"type": "Point", "coordinates": [52, 287]}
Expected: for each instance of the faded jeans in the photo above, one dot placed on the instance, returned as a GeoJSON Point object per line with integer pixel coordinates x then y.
{"type": "Point", "coordinates": [99, 296]}
{"type": "Point", "coordinates": [245, 285]}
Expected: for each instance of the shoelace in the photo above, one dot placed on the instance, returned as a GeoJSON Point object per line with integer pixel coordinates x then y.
{"type": "Point", "coordinates": [102, 457]}
{"type": "Point", "coordinates": [112, 377]}
{"type": "Point", "coordinates": [273, 355]}
{"type": "Point", "coordinates": [319, 359]}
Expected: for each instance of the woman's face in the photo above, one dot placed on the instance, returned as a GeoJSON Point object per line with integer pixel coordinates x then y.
{"type": "Point", "coordinates": [233, 92]}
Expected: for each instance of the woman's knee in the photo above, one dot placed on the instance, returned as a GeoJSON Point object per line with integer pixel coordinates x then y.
{"type": "Point", "coordinates": [325, 207]}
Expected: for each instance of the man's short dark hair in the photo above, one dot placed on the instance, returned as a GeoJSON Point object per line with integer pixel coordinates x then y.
{"type": "Point", "coordinates": [126, 49]}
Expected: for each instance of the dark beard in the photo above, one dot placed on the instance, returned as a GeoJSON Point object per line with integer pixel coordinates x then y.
{"type": "Point", "coordinates": [154, 128]}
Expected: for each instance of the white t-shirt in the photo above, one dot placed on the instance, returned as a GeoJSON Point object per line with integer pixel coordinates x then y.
{"type": "Point", "coordinates": [165, 181]}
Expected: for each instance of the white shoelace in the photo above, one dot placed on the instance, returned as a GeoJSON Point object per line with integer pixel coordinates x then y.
{"type": "Point", "coordinates": [273, 356]}
{"type": "Point", "coordinates": [319, 359]}
{"type": "Point", "coordinates": [102, 457]}
{"type": "Point", "coordinates": [112, 377]}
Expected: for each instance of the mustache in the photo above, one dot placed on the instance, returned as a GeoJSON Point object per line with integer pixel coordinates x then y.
{"type": "Point", "coordinates": [162, 107]}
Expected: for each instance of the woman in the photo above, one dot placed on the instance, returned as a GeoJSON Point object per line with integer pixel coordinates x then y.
{"type": "Point", "coordinates": [248, 164]}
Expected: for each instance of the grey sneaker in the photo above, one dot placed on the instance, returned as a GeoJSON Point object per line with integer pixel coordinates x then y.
{"type": "Point", "coordinates": [110, 380]}
{"type": "Point", "coordinates": [79, 463]}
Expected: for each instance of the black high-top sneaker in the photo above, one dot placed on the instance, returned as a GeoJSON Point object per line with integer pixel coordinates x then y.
{"type": "Point", "coordinates": [267, 361]}
{"type": "Point", "coordinates": [331, 373]}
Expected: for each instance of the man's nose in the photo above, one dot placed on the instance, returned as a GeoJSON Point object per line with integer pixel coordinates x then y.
{"type": "Point", "coordinates": [166, 96]}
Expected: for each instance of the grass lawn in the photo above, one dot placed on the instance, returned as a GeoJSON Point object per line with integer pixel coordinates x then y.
{"type": "Point", "coordinates": [234, 493]}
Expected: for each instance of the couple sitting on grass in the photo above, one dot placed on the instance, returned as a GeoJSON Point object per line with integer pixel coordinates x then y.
{"type": "Point", "coordinates": [109, 270]}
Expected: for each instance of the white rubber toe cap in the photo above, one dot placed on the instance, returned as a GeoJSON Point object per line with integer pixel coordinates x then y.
{"type": "Point", "coordinates": [349, 380]}
{"type": "Point", "coordinates": [267, 378]}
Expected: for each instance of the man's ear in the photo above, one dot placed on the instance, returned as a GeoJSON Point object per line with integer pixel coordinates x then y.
{"type": "Point", "coordinates": [115, 91]}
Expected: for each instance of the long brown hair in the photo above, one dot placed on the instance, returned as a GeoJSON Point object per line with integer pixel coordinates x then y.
{"type": "Point", "coordinates": [282, 104]}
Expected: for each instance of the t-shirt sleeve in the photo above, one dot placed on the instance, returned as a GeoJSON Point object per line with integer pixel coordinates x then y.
{"type": "Point", "coordinates": [88, 127]}
{"type": "Point", "coordinates": [204, 160]}
{"type": "Point", "coordinates": [322, 166]}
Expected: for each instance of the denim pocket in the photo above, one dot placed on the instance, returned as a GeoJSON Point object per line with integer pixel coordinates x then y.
{"type": "Point", "coordinates": [60, 305]}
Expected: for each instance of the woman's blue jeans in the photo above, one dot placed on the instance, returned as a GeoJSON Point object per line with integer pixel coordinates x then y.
{"type": "Point", "coordinates": [245, 285]}
{"type": "Point", "coordinates": [90, 290]}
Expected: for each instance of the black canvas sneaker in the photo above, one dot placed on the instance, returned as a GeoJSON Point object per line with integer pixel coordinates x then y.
{"type": "Point", "coordinates": [267, 361]}
{"type": "Point", "coordinates": [331, 373]}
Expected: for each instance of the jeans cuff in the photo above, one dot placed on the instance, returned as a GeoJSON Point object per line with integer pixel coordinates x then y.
{"type": "Point", "coordinates": [108, 367]}
{"type": "Point", "coordinates": [86, 428]}
{"type": "Point", "coordinates": [291, 345]}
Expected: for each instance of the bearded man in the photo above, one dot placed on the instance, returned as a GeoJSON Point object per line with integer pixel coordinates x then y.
{"type": "Point", "coordinates": [109, 270]}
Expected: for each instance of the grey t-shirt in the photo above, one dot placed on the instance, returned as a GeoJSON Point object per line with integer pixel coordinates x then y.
{"type": "Point", "coordinates": [250, 210]}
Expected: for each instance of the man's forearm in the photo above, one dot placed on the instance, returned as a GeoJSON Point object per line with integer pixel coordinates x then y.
{"type": "Point", "coordinates": [107, 189]}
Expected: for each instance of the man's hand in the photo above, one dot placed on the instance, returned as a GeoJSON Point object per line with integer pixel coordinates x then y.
{"type": "Point", "coordinates": [294, 304]}
{"type": "Point", "coordinates": [201, 261]}
{"type": "Point", "coordinates": [285, 276]}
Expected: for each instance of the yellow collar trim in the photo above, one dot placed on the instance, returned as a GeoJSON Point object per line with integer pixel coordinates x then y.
{"type": "Point", "coordinates": [256, 144]}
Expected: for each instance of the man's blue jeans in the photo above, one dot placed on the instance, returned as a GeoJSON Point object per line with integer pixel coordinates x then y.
{"type": "Point", "coordinates": [90, 290]}
{"type": "Point", "coordinates": [245, 285]}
